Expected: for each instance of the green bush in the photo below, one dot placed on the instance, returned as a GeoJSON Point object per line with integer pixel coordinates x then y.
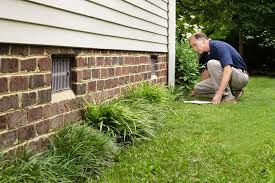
{"type": "Point", "coordinates": [119, 120]}
{"type": "Point", "coordinates": [85, 149]}
{"type": "Point", "coordinates": [148, 91]}
{"type": "Point", "coordinates": [187, 66]}
{"type": "Point", "coordinates": [76, 154]}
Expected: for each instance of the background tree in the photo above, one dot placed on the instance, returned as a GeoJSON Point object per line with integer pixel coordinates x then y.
{"type": "Point", "coordinates": [252, 19]}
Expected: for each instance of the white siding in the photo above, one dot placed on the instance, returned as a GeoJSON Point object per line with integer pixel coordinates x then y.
{"type": "Point", "coordinates": [139, 25]}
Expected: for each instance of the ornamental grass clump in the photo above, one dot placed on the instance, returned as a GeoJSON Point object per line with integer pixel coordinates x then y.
{"type": "Point", "coordinates": [148, 91]}
{"type": "Point", "coordinates": [77, 153]}
{"type": "Point", "coordinates": [85, 151]}
{"type": "Point", "coordinates": [120, 121]}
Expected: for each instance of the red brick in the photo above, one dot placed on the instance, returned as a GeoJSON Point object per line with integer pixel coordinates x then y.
{"type": "Point", "coordinates": [76, 51]}
{"type": "Point", "coordinates": [124, 71]}
{"type": "Point", "coordinates": [132, 79]}
{"type": "Point", "coordinates": [34, 114]}
{"type": "Point", "coordinates": [16, 119]}
{"type": "Point", "coordinates": [121, 81]}
{"type": "Point", "coordinates": [144, 60]}
{"type": "Point", "coordinates": [49, 111]}
{"type": "Point", "coordinates": [92, 86]}
{"type": "Point", "coordinates": [137, 60]}
{"type": "Point", "coordinates": [8, 139]}
{"type": "Point", "coordinates": [114, 60]}
{"type": "Point", "coordinates": [20, 50]}
{"type": "Point", "coordinates": [79, 62]}
{"type": "Point", "coordinates": [87, 74]}
{"type": "Point", "coordinates": [36, 81]}
{"type": "Point", "coordinates": [26, 133]}
{"type": "Point", "coordinates": [120, 60]}
{"type": "Point", "coordinates": [95, 73]}
{"type": "Point", "coordinates": [135, 69]}
{"type": "Point", "coordinates": [114, 82]}
{"type": "Point", "coordinates": [108, 61]}
{"type": "Point", "coordinates": [108, 83]}
{"type": "Point", "coordinates": [77, 76]}
{"type": "Point", "coordinates": [72, 116]}
{"type": "Point", "coordinates": [36, 50]}
{"type": "Point", "coordinates": [99, 61]}
{"type": "Point", "coordinates": [28, 99]}
{"type": "Point", "coordinates": [9, 102]}
{"type": "Point", "coordinates": [64, 106]}
{"type": "Point", "coordinates": [79, 89]}
{"type": "Point", "coordinates": [104, 52]}
{"type": "Point", "coordinates": [103, 73]}
{"type": "Point", "coordinates": [4, 49]}
{"type": "Point", "coordinates": [77, 103]}
{"type": "Point", "coordinates": [9, 65]}
{"type": "Point", "coordinates": [127, 79]}
{"type": "Point", "coordinates": [39, 145]}
{"type": "Point", "coordinates": [43, 127]}
{"type": "Point", "coordinates": [56, 123]}
{"type": "Point", "coordinates": [65, 50]}
{"type": "Point", "coordinates": [45, 64]}
{"type": "Point", "coordinates": [111, 72]}
{"type": "Point", "coordinates": [48, 79]}
{"type": "Point", "coordinates": [28, 65]}
{"type": "Point", "coordinates": [3, 85]}
{"type": "Point", "coordinates": [3, 122]}
{"type": "Point", "coordinates": [52, 50]}
{"type": "Point", "coordinates": [91, 61]}
{"type": "Point", "coordinates": [100, 85]}
{"type": "Point", "coordinates": [129, 60]}
{"type": "Point", "coordinates": [44, 96]}
{"type": "Point", "coordinates": [18, 83]}
{"type": "Point", "coordinates": [118, 71]}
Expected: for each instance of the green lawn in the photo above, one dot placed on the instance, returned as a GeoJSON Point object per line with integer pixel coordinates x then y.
{"type": "Point", "coordinates": [207, 143]}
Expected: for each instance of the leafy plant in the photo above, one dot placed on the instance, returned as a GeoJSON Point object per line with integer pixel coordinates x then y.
{"type": "Point", "coordinates": [119, 121]}
{"type": "Point", "coordinates": [148, 91]}
{"type": "Point", "coordinates": [86, 149]}
{"type": "Point", "coordinates": [187, 66]}
{"type": "Point", "coordinates": [76, 154]}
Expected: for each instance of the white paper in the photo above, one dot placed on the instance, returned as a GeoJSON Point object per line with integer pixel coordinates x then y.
{"type": "Point", "coordinates": [197, 102]}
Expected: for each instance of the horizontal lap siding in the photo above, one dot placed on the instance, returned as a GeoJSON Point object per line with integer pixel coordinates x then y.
{"type": "Point", "coordinates": [140, 25]}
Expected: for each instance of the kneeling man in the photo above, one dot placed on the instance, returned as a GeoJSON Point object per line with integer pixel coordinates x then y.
{"type": "Point", "coordinates": [226, 72]}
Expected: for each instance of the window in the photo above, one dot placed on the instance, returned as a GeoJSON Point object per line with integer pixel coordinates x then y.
{"type": "Point", "coordinates": [61, 72]}
{"type": "Point", "coordinates": [154, 60]}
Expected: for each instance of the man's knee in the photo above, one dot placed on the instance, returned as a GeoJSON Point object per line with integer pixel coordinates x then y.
{"type": "Point", "coordinates": [213, 63]}
{"type": "Point", "coordinates": [198, 88]}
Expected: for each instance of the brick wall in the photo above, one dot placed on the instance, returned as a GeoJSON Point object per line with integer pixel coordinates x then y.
{"type": "Point", "coordinates": [27, 113]}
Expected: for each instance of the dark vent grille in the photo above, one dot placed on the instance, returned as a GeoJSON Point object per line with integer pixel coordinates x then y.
{"type": "Point", "coordinates": [154, 60]}
{"type": "Point", "coordinates": [61, 73]}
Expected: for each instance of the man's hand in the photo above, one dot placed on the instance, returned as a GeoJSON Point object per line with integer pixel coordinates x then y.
{"type": "Point", "coordinates": [193, 93]}
{"type": "Point", "coordinates": [217, 98]}
{"type": "Point", "coordinates": [227, 70]}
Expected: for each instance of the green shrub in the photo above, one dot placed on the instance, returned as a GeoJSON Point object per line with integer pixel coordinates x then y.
{"type": "Point", "coordinates": [85, 150]}
{"type": "Point", "coordinates": [75, 154]}
{"type": "Point", "coordinates": [119, 120]}
{"type": "Point", "coordinates": [187, 66]}
{"type": "Point", "coordinates": [148, 91]}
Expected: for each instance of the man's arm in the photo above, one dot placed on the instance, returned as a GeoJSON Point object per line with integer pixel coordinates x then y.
{"type": "Point", "coordinates": [227, 70]}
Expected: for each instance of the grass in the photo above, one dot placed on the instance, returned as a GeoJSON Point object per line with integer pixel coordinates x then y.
{"type": "Point", "coordinates": [133, 116]}
{"type": "Point", "coordinates": [207, 143]}
{"type": "Point", "coordinates": [77, 154]}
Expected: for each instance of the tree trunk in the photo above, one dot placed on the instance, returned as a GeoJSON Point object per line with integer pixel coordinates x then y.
{"type": "Point", "coordinates": [241, 43]}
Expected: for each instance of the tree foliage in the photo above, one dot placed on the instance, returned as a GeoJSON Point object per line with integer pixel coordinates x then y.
{"type": "Point", "coordinates": [254, 18]}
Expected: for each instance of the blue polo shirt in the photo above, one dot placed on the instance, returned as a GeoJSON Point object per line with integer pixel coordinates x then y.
{"type": "Point", "coordinates": [226, 54]}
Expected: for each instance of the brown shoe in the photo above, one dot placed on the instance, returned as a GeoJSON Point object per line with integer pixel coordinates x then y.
{"type": "Point", "coordinates": [238, 94]}
{"type": "Point", "coordinates": [229, 99]}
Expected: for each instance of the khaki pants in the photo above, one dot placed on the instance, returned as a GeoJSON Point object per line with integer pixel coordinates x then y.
{"type": "Point", "coordinates": [208, 87]}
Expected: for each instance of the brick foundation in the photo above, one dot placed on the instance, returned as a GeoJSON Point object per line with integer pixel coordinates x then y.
{"type": "Point", "coordinates": [27, 112]}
